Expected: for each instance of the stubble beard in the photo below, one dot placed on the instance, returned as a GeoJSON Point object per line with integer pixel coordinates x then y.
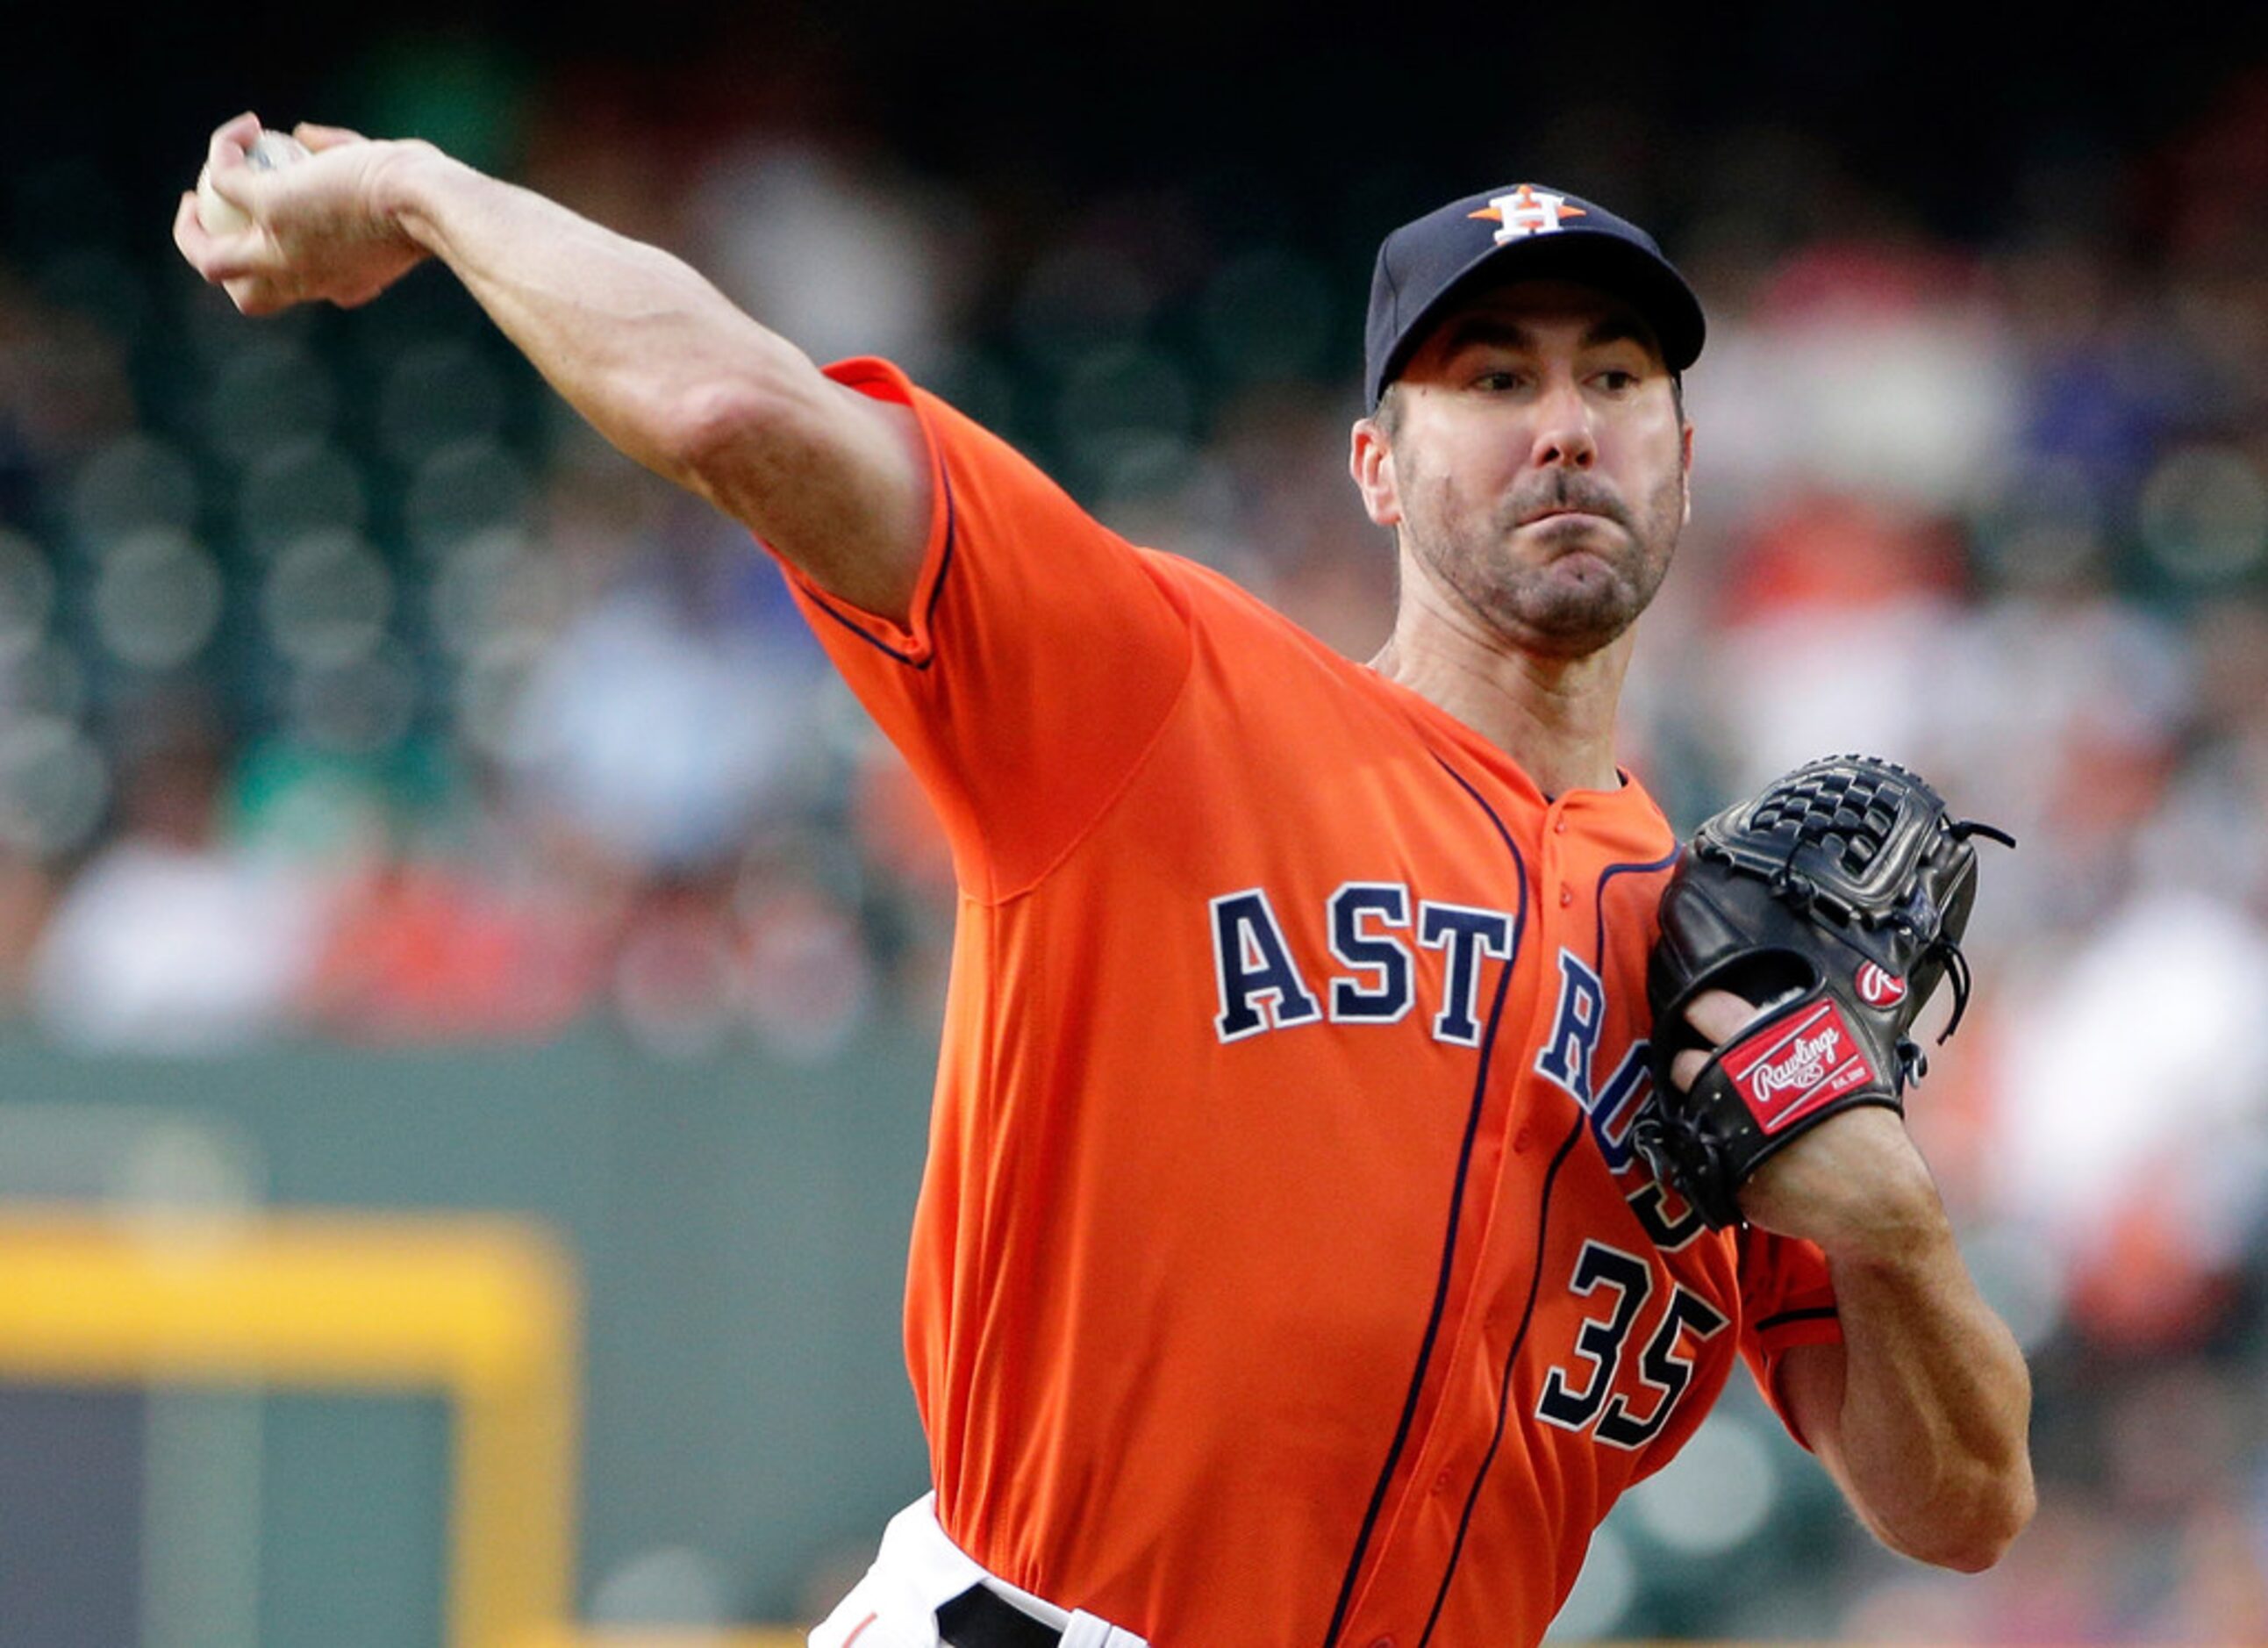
{"type": "Point", "coordinates": [1574, 585]}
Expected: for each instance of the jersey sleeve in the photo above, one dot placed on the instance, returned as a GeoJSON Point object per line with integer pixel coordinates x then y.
{"type": "Point", "coordinates": [1043, 654]}
{"type": "Point", "coordinates": [1786, 1300]}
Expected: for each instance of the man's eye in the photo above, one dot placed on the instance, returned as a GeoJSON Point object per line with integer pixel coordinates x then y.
{"type": "Point", "coordinates": [1497, 380]}
{"type": "Point", "coordinates": [1615, 379]}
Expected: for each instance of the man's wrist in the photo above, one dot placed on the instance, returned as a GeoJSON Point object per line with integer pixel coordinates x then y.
{"type": "Point", "coordinates": [404, 176]}
{"type": "Point", "coordinates": [1904, 1232]}
{"type": "Point", "coordinates": [1854, 1184]}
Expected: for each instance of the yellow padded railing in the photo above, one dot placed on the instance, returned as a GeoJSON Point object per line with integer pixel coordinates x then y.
{"type": "Point", "coordinates": [482, 1309]}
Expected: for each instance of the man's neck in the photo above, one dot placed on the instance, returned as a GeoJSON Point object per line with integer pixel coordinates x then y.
{"type": "Point", "coordinates": [1554, 716]}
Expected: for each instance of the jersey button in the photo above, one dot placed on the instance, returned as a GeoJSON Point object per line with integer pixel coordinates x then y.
{"type": "Point", "coordinates": [1559, 825]}
{"type": "Point", "coordinates": [1566, 895]}
{"type": "Point", "coordinates": [1445, 1484]}
{"type": "Point", "coordinates": [1382, 1642]}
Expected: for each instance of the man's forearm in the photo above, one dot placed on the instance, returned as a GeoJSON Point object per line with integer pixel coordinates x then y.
{"type": "Point", "coordinates": [635, 339]}
{"type": "Point", "coordinates": [673, 373]}
{"type": "Point", "coordinates": [1935, 1408]}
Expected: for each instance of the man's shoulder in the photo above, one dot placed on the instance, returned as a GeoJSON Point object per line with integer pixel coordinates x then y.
{"type": "Point", "coordinates": [1232, 607]}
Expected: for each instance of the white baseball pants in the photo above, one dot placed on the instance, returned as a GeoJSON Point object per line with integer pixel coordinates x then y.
{"type": "Point", "coordinates": [918, 1568]}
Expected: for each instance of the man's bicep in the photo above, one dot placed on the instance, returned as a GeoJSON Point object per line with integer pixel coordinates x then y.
{"type": "Point", "coordinates": [835, 482]}
{"type": "Point", "coordinates": [1030, 661]}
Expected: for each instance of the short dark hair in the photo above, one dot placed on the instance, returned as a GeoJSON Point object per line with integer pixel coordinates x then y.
{"type": "Point", "coordinates": [1389, 414]}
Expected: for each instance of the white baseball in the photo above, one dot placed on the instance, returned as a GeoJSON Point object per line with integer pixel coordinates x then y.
{"type": "Point", "coordinates": [268, 151]}
{"type": "Point", "coordinates": [272, 149]}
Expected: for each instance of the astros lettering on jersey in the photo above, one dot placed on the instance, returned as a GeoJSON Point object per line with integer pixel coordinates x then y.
{"type": "Point", "coordinates": [1282, 1273]}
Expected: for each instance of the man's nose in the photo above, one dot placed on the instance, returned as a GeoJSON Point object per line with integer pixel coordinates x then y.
{"type": "Point", "coordinates": [1563, 428]}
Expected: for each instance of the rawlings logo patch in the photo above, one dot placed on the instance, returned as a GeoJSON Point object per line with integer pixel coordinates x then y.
{"type": "Point", "coordinates": [1797, 1066]}
{"type": "Point", "coordinates": [1878, 987]}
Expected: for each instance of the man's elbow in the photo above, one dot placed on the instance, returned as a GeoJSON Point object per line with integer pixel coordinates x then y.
{"type": "Point", "coordinates": [707, 434]}
{"type": "Point", "coordinates": [1973, 1535]}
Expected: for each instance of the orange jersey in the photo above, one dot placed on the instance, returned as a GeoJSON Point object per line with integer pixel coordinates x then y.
{"type": "Point", "coordinates": [1282, 1274]}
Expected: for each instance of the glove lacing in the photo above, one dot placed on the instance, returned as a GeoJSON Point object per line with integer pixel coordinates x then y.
{"type": "Point", "coordinates": [1956, 965]}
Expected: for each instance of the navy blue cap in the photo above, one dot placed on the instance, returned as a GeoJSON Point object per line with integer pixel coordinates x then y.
{"type": "Point", "coordinates": [1527, 232]}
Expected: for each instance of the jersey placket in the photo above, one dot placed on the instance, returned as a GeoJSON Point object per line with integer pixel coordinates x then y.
{"type": "Point", "coordinates": [1522, 1134]}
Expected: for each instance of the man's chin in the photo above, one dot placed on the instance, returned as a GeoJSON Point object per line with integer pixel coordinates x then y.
{"type": "Point", "coordinates": [1577, 605]}
{"type": "Point", "coordinates": [1584, 574]}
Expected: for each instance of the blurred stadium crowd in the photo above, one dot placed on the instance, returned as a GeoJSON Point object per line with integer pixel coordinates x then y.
{"type": "Point", "coordinates": [349, 689]}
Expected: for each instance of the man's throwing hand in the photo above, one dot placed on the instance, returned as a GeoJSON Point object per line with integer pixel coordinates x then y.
{"type": "Point", "coordinates": [318, 230]}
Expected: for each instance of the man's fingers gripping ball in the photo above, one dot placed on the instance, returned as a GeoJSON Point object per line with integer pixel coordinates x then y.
{"type": "Point", "coordinates": [1718, 1015]}
{"type": "Point", "coordinates": [319, 137]}
{"type": "Point", "coordinates": [266, 152]}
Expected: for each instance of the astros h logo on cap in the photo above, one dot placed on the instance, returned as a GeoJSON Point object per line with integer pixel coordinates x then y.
{"type": "Point", "coordinates": [1528, 231]}
{"type": "Point", "coordinates": [1527, 211]}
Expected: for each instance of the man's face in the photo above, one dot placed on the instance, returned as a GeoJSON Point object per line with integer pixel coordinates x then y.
{"type": "Point", "coordinates": [1536, 467]}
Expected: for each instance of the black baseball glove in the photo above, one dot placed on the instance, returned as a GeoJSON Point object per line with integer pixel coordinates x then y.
{"type": "Point", "coordinates": [1837, 900]}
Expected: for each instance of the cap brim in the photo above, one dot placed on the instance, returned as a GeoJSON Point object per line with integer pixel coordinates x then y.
{"type": "Point", "coordinates": [1613, 265]}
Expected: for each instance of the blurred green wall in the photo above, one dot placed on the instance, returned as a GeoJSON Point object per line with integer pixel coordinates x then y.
{"type": "Point", "coordinates": [740, 1227]}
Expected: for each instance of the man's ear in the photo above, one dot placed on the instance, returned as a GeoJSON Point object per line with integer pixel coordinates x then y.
{"type": "Point", "coordinates": [1370, 459]}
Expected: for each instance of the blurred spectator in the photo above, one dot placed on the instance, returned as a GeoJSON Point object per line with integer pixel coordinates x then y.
{"type": "Point", "coordinates": [1877, 369]}
{"type": "Point", "coordinates": [676, 980]}
{"type": "Point", "coordinates": [1832, 630]}
{"type": "Point", "coordinates": [675, 711]}
{"type": "Point", "coordinates": [28, 892]}
{"type": "Point", "coordinates": [2133, 1112]}
{"type": "Point", "coordinates": [422, 945]}
{"type": "Point", "coordinates": [834, 248]}
{"type": "Point", "coordinates": [808, 978]}
{"type": "Point", "coordinates": [171, 939]}
{"type": "Point", "coordinates": [63, 389]}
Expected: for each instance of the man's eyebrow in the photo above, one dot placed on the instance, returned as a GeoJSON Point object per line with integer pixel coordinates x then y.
{"type": "Point", "coordinates": [1620, 328]}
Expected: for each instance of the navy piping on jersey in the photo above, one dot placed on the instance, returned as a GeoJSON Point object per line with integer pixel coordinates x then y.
{"type": "Point", "coordinates": [1456, 1211]}
{"type": "Point", "coordinates": [1598, 955]}
{"type": "Point", "coordinates": [944, 565]}
{"type": "Point", "coordinates": [1535, 1280]}
{"type": "Point", "coordinates": [1504, 1386]}
{"type": "Point", "coordinates": [1809, 1313]}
